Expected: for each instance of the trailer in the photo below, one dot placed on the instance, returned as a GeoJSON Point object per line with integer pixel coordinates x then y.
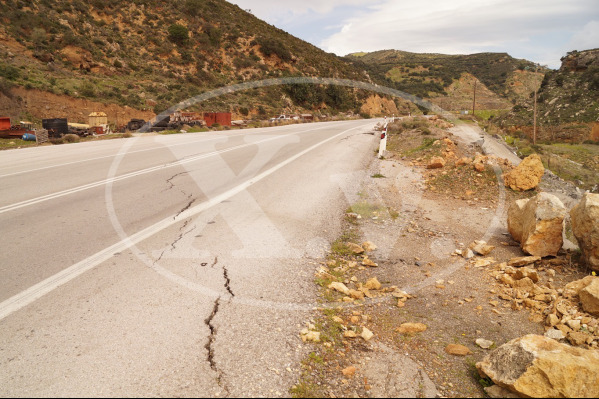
{"type": "Point", "coordinates": [56, 127]}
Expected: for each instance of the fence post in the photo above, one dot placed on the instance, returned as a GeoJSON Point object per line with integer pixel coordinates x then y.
{"type": "Point", "coordinates": [383, 142]}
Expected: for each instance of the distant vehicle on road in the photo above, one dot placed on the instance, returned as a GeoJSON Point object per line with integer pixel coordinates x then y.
{"type": "Point", "coordinates": [281, 118]}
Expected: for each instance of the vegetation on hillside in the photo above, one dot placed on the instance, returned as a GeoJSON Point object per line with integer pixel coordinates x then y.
{"type": "Point", "coordinates": [152, 54]}
{"type": "Point", "coordinates": [427, 75]}
{"type": "Point", "coordinates": [567, 103]}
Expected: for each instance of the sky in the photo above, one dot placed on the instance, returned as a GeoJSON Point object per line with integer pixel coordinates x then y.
{"type": "Point", "coordinates": [541, 31]}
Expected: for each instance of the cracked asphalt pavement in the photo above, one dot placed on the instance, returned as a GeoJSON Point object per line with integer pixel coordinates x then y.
{"type": "Point", "coordinates": [176, 265]}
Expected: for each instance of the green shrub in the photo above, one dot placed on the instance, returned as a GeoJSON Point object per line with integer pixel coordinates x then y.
{"type": "Point", "coordinates": [9, 72]}
{"type": "Point", "coordinates": [87, 89]}
{"type": "Point", "coordinates": [178, 34]}
{"type": "Point", "coordinates": [71, 138]}
{"type": "Point", "coordinates": [273, 46]}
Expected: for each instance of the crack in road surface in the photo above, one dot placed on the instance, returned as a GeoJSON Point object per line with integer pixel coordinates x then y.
{"type": "Point", "coordinates": [212, 328]}
{"type": "Point", "coordinates": [227, 281]}
{"type": "Point", "coordinates": [209, 346]}
{"type": "Point", "coordinates": [170, 179]}
{"type": "Point", "coordinates": [186, 207]}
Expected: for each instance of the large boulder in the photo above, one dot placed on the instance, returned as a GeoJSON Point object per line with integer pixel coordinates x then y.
{"type": "Point", "coordinates": [538, 224]}
{"type": "Point", "coordinates": [514, 218]}
{"type": "Point", "coordinates": [540, 367]}
{"type": "Point", "coordinates": [585, 226]}
{"type": "Point", "coordinates": [589, 297]}
{"type": "Point", "coordinates": [527, 175]}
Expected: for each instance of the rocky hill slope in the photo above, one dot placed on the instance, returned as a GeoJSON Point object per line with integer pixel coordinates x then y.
{"type": "Point", "coordinates": [448, 80]}
{"type": "Point", "coordinates": [149, 54]}
{"type": "Point", "coordinates": [567, 101]}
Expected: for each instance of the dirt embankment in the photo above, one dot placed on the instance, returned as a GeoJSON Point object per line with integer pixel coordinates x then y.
{"type": "Point", "coordinates": [38, 104]}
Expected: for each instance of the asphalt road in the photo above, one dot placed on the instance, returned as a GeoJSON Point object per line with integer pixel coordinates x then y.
{"type": "Point", "coordinates": [174, 265]}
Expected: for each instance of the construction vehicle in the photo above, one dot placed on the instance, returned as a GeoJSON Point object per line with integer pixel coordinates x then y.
{"type": "Point", "coordinates": [9, 131]}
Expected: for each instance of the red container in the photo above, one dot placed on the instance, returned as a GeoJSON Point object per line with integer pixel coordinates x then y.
{"type": "Point", "coordinates": [4, 123]}
{"type": "Point", "coordinates": [222, 118]}
{"type": "Point", "coordinates": [97, 130]}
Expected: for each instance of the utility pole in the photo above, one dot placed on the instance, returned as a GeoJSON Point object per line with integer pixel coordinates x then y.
{"type": "Point", "coordinates": [534, 128]}
{"type": "Point", "coordinates": [474, 99]}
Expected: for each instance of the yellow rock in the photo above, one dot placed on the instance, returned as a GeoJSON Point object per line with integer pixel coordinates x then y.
{"type": "Point", "coordinates": [540, 367]}
{"type": "Point", "coordinates": [366, 334]}
{"type": "Point", "coordinates": [457, 350]}
{"type": "Point", "coordinates": [373, 284]}
{"type": "Point", "coordinates": [525, 176]}
{"type": "Point", "coordinates": [408, 328]}
{"type": "Point", "coordinates": [368, 262]}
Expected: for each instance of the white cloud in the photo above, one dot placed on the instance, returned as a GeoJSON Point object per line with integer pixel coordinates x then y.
{"type": "Point", "coordinates": [538, 30]}
{"type": "Point", "coordinates": [519, 27]}
{"type": "Point", "coordinates": [587, 38]}
{"type": "Point", "coordinates": [276, 10]}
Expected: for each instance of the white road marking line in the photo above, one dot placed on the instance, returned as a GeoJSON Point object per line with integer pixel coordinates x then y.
{"type": "Point", "coordinates": [259, 130]}
{"type": "Point", "coordinates": [48, 285]}
{"type": "Point", "coordinates": [47, 197]}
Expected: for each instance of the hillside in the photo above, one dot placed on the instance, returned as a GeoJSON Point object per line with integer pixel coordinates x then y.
{"type": "Point", "coordinates": [567, 101]}
{"type": "Point", "coordinates": [448, 80]}
{"type": "Point", "coordinates": [149, 54]}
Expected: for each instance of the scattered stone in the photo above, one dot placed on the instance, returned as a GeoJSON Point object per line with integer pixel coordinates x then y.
{"type": "Point", "coordinates": [573, 288]}
{"type": "Point", "coordinates": [457, 350]}
{"type": "Point", "coordinates": [366, 334]}
{"type": "Point", "coordinates": [585, 226]}
{"type": "Point", "coordinates": [368, 246]}
{"type": "Point", "coordinates": [536, 366]}
{"type": "Point", "coordinates": [310, 336]}
{"type": "Point", "coordinates": [555, 334]}
{"type": "Point", "coordinates": [349, 371]}
{"type": "Point", "coordinates": [578, 338]}
{"type": "Point", "coordinates": [368, 262]}
{"type": "Point", "coordinates": [527, 175]}
{"type": "Point", "coordinates": [463, 161]}
{"type": "Point", "coordinates": [355, 248]}
{"type": "Point", "coordinates": [466, 253]}
{"type": "Point", "coordinates": [479, 166]}
{"type": "Point", "coordinates": [373, 284]}
{"type": "Point", "coordinates": [436, 163]}
{"type": "Point", "coordinates": [365, 291]}
{"type": "Point", "coordinates": [402, 295]}
{"type": "Point", "coordinates": [523, 261]}
{"type": "Point", "coordinates": [526, 272]}
{"type": "Point", "coordinates": [337, 319]}
{"type": "Point", "coordinates": [355, 294]}
{"type": "Point", "coordinates": [484, 262]}
{"type": "Point", "coordinates": [481, 247]}
{"type": "Point", "coordinates": [336, 286]}
{"type": "Point", "coordinates": [574, 324]}
{"type": "Point", "coordinates": [552, 320]}
{"type": "Point", "coordinates": [350, 334]}
{"type": "Point", "coordinates": [589, 297]}
{"type": "Point", "coordinates": [410, 328]}
{"type": "Point", "coordinates": [484, 343]}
